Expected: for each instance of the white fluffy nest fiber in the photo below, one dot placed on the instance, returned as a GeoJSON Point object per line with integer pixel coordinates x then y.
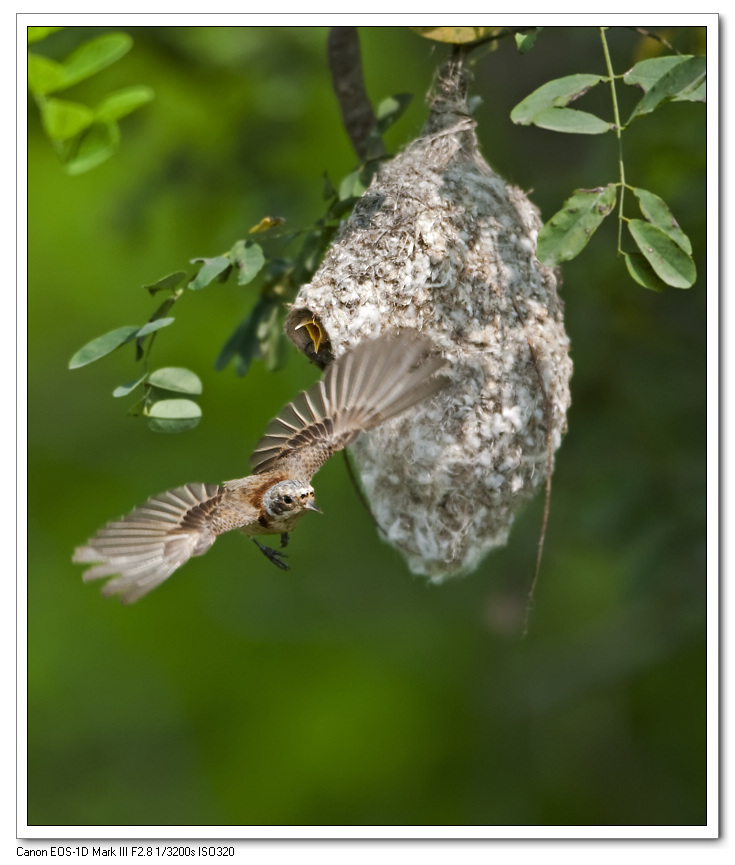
{"type": "Point", "coordinates": [442, 244]}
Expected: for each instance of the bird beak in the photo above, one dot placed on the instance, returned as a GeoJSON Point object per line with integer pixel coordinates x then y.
{"type": "Point", "coordinates": [311, 506]}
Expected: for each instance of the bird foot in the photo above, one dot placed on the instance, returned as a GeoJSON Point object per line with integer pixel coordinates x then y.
{"type": "Point", "coordinates": [273, 555]}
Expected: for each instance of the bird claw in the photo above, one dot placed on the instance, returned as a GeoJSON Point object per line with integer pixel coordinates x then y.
{"type": "Point", "coordinates": [284, 540]}
{"type": "Point", "coordinates": [273, 555]}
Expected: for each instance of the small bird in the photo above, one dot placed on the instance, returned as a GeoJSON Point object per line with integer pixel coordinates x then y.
{"type": "Point", "coordinates": [372, 382]}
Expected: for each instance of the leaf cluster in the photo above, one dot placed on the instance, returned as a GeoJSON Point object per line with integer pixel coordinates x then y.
{"type": "Point", "coordinates": [663, 255]}
{"type": "Point", "coordinates": [164, 413]}
{"type": "Point", "coordinates": [267, 264]}
{"type": "Point", "coordinates": [82, 136]}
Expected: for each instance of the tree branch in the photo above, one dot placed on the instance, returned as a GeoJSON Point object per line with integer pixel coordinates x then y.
{"type": "Point", "coordinates": [345, 64]}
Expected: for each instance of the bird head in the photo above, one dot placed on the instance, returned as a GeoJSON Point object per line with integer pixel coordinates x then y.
{"type": "Point", "coordinates": [289, 497]}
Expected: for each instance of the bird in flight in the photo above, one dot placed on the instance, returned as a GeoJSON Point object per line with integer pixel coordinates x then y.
{"type": "Point", "coordinates": [372, 382]}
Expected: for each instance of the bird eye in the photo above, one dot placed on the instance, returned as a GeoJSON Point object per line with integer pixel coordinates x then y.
{"type": "Point", "coordinates": [287, 499]}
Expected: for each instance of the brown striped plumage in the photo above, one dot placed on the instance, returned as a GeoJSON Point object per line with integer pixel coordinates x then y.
{"type": "Point", "coordinates": [369, 384]}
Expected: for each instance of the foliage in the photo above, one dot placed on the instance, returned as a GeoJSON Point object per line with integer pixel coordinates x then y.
{"type": "Point", "coordinates": [260, 335]}
{"type": "Point", "coordinates": [664, 256]}
{"type": "Point", "coordinates": [82, 136]}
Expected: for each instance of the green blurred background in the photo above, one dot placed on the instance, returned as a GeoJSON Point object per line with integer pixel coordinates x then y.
{"type": "Point", "coordinates": [347, 691]}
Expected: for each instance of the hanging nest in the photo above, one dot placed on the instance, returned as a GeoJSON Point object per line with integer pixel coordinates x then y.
{"type": "Point", "coordinates": [440, 243]}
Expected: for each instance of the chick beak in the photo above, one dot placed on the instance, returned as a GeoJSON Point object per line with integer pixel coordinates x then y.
{"type": "Point", "coordinates": [311, 506]}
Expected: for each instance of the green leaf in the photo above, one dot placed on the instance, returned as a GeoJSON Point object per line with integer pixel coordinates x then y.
{"type": "Point", "coordinates": [209, 271]}
{"type": "Point", "coordinates": [248, 258]}
{"type": "Point", "coordinates": [96, 145]}
{"type": "Point", "coordinates": [176, 378]}
{"type": "Point", "coordinates": [173, 415]}
{"type": "Point", "coordinates": [44, 75]}
{"type": "Point", "coordinates": [95, 55]}
{"type": "Point", "coordinates": [457, 35]}
{"type": "Point", "coordinates": [697, 94]}
{"type": "Point", "coordinates": [387, 113]}
{"type": "Point", "coordinates": [666, 257]}
{"type": "Point", "coordinates": [36, 34]}
{"type": "Point", "coordinates": [642, 272]}
{"type": "Point", "coordinates": [567, 233]}
{"type": "Point", "coordinates": [352, 186]}
{"type": "Point", "coordinates": [62, 119]}
{"type": "Point", "coordinates": [553, 94]}
{"type": "Point", "coordinates": [657, 211]}
{"type": "Point", "coordinates": [571, 120]}
{"type": "Point", "coordinates": [166, 283]}
{"type": "Point", "coordinates": [328, 191]}
{"type": "Point", "coordinates": [163, 310]}
{"type": "Point", "coordinates": [646, 73]}
{"type": "Point", "coordinates": [103, 345]}
{"type": "Point", "coordinates": [390, 110]}
{"type": "Point", "coordinates": [120, 103]}
{"type": "Point", "coordinates": [525, 41]}
{"type": "Point", "coordinates": [681, 80]}
{"type": "Point", "coordinates": [152, 326]}
{"type": "Point", "coordinates": [128, 387]}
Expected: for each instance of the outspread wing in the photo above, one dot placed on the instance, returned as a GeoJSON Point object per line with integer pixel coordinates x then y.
{"type": "Point", "coordinates": [149, 544]}
{"type": "Point", "coordinates": [372, 382]}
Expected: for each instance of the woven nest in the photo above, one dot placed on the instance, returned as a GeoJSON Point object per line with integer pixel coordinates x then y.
{"type": "Point", "coordinates": [440, 243]}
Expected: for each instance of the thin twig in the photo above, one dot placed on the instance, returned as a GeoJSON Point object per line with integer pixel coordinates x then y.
{"type": "Point", "coordinates": [345, 64]}
{"type": "Point", "coordinates": [618, 134]}
{"type": "Point", "coordinates": [360, 494]}
{"type": "Point", "coordinates": [656, 37]}
{"type": "Point", "coordinates": [502, 34]}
